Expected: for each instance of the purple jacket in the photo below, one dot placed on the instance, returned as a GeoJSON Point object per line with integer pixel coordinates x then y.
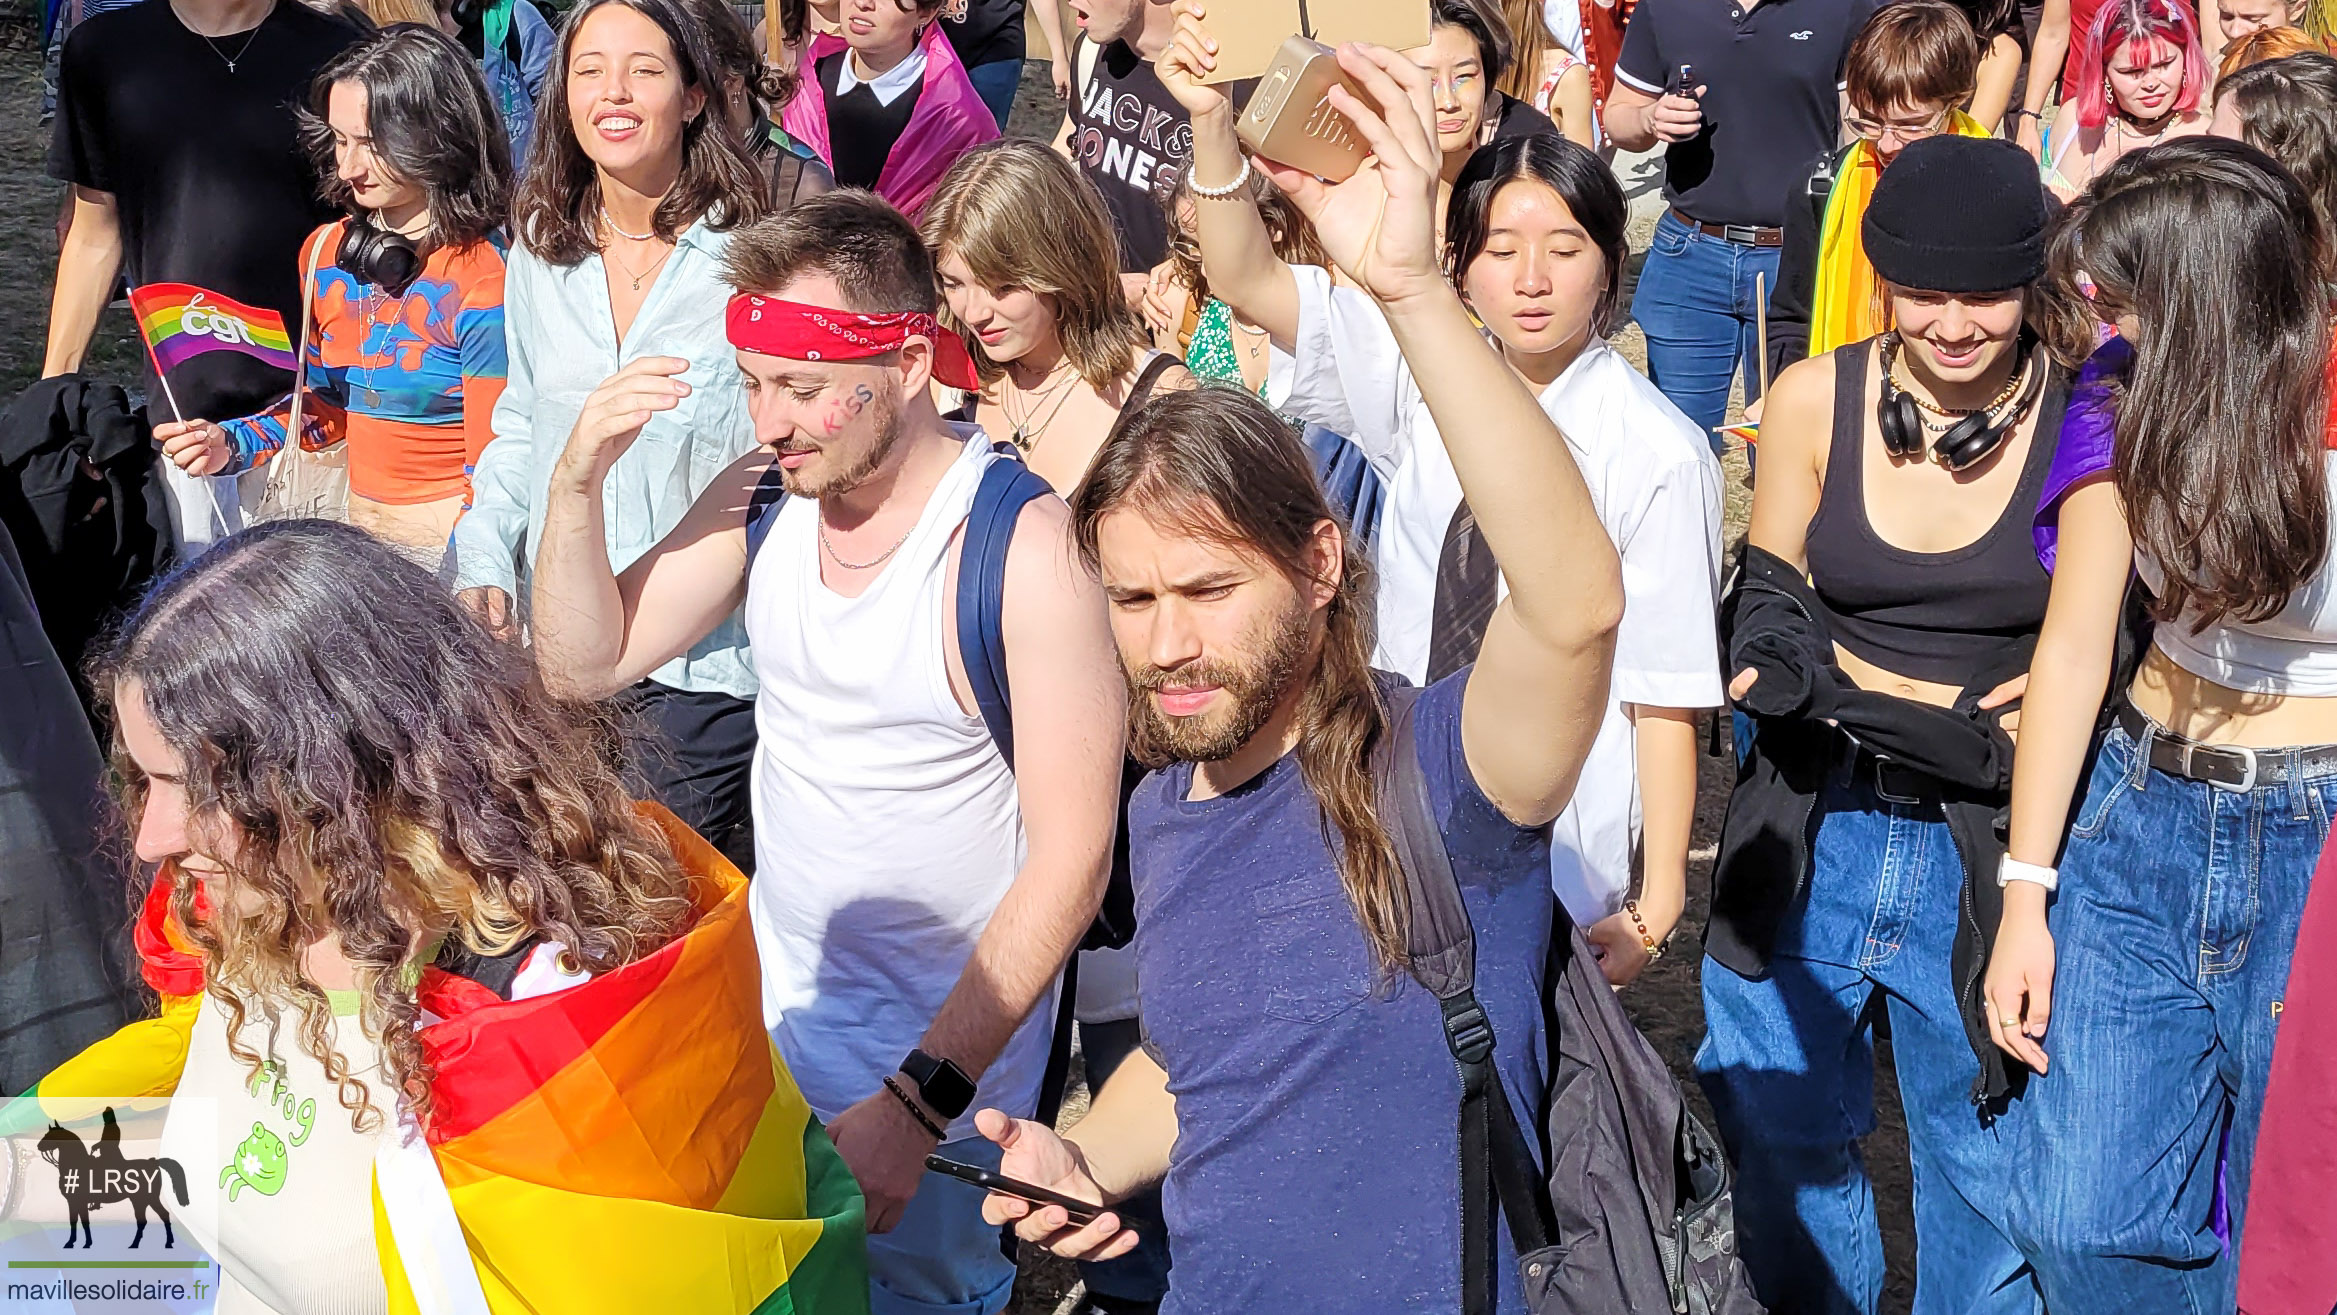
{"type": "Point", "coordinates": [950, 119]}
{"type": "Point", "coordinates": [2089, 431]}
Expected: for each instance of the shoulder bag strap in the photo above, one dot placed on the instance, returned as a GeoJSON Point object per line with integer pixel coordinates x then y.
{"type": "Point", "coordinates": [1148, 378]}
{"type": "Point", "coordinates": [1497, 1169]}
{"type": "Point", "coordinates": [294, 439]}
{"type": "Point", "coordinates": [1007, 487]}
{"type": "Point", "coordinates": [763, 510]}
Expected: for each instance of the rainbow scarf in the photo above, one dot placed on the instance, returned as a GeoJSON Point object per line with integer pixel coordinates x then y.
{"type": "Point", "coordinates": [1845, 308]}
{"type": "Point", "coordinates": [632, 1143]}
{"type": "Point", "coordinates": [180, 321]}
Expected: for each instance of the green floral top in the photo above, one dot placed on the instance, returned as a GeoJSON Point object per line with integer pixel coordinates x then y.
{"type": "Point", "coordinates": [1211, 354]}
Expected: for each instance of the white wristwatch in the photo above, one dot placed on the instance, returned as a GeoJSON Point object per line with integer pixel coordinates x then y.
{"type": "Point", "coordinates": [2012, 869]}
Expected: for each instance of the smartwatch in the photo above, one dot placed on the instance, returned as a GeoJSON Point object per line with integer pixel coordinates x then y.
{"type": "Point", "coordinates": [941, 1084]}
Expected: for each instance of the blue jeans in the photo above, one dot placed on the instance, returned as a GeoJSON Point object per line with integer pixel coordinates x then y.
{"type": "Point", "coordinates": [2173, 929]}
{"type": "Point", "coordinates": [941, 1259]}
{"type": "Point", "coordinates": [1789, 1064]}
{"type": "Point", "coordinates": [1697, 306]}
{"type": "Point", "coordinates": [996, 83]}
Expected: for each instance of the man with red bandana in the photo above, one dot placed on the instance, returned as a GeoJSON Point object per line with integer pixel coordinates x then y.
{"type": "Point", "coordinates": [916, 891]}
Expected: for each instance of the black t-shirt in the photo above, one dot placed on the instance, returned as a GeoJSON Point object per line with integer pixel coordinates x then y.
{"type": "Point", "coordinates": [204, 164]}
{"type": "Point", "coordinates": [862, 130]}
{"type": "Point", "coordinates": [984, 31]}
{"type": "Point", "coordinates": [1771, 80]}
{"type": "Point", "coordinates": [1514, 118]}
{"type": "Point", "coordinates": [1132, 140]}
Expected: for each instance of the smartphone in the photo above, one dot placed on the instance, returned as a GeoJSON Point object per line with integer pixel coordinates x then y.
{"type": "Point", "coordinates": [1289, 119]}
{"type": "Point", "coordinates": [1081, 1212]}
{"type": "Point", "coordinates": [1685, 83]}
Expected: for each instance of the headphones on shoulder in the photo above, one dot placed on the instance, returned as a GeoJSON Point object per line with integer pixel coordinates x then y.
{"type": "Point", "coordinates": [389, 260]}
{"type": "Point", "coordinates": [1966, 442]}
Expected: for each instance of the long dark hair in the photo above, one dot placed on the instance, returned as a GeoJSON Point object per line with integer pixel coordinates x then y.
{"type": "Point", "coordinates": [1580, 179]}
{"type": "Point", "coordinates": [2288, 109]}
{"type": "Point", "coordinates": [2222, 421]}
{"type": "Point", "coordinates": [731, 44]}
{"type": "Point", "coordinates": [398, 775]}
{"type": "Point", "coordinates": [1219, 463]}
{"type": "Point", "coordinates": [556, 214]}
{"type": "Point", "coordinates": [433, 125]}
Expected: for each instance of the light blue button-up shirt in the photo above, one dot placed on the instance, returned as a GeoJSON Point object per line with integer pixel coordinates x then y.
{"type": "Point", "coordinates": [563, 344]}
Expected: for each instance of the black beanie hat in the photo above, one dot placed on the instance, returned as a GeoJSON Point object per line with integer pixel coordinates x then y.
{"type": "Point", "coordinates": [1958, 214]}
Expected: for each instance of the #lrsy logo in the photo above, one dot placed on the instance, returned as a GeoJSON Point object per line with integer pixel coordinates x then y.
{"type": "Point", "coordinates": [89, 1179]}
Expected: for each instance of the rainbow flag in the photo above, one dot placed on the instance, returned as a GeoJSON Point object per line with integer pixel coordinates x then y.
{"type": "Point", "coordinates": [632, 1143]}
{"type": "Point", "coordinates": [181, 321]}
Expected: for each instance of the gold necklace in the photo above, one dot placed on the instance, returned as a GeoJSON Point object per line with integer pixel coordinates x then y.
{"type": "Point", "coordinates": [1024, 436]}
{"type": "Point", "coordinates": [2011, 385]}
{"type": "Point", "coordinates": [633, 274]}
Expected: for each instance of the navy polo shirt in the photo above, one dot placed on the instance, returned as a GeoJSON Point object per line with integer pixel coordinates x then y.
{"type": "Point", "coordinates": [1771, 75]}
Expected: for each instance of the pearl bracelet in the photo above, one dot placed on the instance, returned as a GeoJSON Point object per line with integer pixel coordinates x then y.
{"type": "Point", "coordinates": [1240, 181]}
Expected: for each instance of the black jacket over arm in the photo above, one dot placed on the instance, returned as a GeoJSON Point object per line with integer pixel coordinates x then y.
{"type": "Point", "coordinates": [1770, 623]}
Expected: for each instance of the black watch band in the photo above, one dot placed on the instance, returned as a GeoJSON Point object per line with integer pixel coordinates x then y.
{"type": "Point", "coordinates": [940, 1084]}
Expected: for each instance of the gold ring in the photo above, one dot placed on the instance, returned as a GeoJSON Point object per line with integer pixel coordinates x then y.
{"type": "Point", "coordinates": [2008, 1022]}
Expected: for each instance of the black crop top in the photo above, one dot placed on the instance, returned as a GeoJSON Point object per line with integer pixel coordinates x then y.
{"type": "Point", "coordinates": [1929, 616]}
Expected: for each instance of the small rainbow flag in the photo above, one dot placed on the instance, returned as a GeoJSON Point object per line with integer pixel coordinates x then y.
{"type": "Point", "coordinates": [181, 321]}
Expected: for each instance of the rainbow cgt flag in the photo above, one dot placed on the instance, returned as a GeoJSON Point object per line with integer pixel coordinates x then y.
{"type": "Point", "coordinates": [181, 321]}
{"type": "Point", "coordinates": [631, 1144]}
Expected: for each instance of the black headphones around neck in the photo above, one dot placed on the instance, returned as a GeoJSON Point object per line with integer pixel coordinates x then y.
{"type": "Point", "coordinates": [1968, 441]}
{"type": "Point", "coordinates": [386, 259]}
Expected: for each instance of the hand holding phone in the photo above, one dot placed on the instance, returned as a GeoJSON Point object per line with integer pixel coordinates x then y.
{"type": "Point", "coordinates": [1679, 114]}
{"type": "Point", "coordinates": [1081, 1212]}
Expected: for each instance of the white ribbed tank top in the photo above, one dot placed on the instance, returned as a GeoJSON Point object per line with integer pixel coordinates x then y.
{"type": "Point", "coordinates": [886, 822]}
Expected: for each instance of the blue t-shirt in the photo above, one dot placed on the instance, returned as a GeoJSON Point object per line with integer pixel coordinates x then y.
{"type": "Point", "coordinates": [1316, 1163]}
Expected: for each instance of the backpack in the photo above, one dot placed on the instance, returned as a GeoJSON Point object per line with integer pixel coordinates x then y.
{"type": "Point", "coordinates": [1635, 1212]}
{"type": "Point", "coordinates": [1007, 487]}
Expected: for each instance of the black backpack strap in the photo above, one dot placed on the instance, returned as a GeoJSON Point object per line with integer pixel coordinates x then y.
{"type": "Point", "coordinates": [1007, 487]}
{"type": "Point", "coordinates": [1148, 379]}
{"type": "Point", "coordinates": [763, 509]}
{"type": "Point", "coordinates": [1497, 1168]}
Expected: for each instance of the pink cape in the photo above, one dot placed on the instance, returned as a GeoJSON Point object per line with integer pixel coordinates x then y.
{"type": "Point", "coordinates": [950, 119]}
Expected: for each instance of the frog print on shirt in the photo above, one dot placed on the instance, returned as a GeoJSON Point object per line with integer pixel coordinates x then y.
{"type": "Point", "coordinates": [262, 1159]}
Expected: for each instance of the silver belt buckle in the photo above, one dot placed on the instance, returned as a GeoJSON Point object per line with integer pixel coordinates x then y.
{"type": "Point", "coordinates": [2247, 755]}
{"type": "Point", "coordinates": [1742, 234]}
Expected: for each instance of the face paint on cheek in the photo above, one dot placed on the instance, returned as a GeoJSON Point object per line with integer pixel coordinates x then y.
{"type": "Point", "coordinates": [844, 410]}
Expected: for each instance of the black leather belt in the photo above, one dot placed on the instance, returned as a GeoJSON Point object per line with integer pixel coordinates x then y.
{"type": "Point", "coordinates": [2226, 766]}
{"type": "Point", "coordinates": [1744, 235]}
{"type": "Point", "coordinates": [1894, 781]}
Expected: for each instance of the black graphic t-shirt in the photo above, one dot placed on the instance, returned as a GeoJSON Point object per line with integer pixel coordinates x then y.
{"type": "Point", "coordinates": [984, 31]}
{"type": "Point", "coordinates": [1132, 140]}
{"type": "Point", "coordinates": [205, 166]}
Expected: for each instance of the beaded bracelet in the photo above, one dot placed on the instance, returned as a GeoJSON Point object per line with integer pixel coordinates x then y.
{"type": "Point", "coordinates": [1240, 181]}
{"type": "Point", "coordinates": [1654, 950]}
{"type": "Point", "coordinates": [915, 1111]}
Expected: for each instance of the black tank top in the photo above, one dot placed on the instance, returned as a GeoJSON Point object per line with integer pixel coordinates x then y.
{"type": "Point", "coordinates": [1930, 616]}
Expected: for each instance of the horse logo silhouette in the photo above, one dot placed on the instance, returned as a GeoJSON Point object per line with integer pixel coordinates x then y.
{"type": "Point", "coordinates": [89, 1178]}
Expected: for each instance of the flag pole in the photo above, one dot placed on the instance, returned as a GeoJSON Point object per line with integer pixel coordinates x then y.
{"type": "Point", "coordinates": [210, 490]}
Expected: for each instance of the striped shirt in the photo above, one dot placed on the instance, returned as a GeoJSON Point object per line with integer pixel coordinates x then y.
{"type": "Point", "coordinates": [409, 381]}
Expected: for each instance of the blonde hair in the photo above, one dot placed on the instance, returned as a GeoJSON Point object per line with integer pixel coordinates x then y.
{"type": "Point", "coordinates": [385, 12]}
{"type": "Point", "coordinates": [1020, 216]}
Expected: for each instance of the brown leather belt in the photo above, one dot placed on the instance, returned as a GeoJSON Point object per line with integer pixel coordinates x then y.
{"type": "Point", "coordinates": [1744, 235]}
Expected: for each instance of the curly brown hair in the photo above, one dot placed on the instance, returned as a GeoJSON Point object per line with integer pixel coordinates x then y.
{"type": "Point", "coordinates": [397, 776]}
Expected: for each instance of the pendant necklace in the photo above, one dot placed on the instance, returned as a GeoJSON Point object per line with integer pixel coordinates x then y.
{"type": "Point", "coordinates": [1026, 435]}
{"type": "Point", "coordinates": [628, 271]}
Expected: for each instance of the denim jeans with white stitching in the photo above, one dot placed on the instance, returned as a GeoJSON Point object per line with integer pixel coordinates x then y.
{"type": "Point", "coordinates": [1789, 1064]}
{"type": "Point", "coordinates": [2173, 928]}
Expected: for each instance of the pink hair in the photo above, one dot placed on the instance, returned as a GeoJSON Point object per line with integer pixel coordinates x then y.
{"type": "Point", "coordinates": [2123, 25]}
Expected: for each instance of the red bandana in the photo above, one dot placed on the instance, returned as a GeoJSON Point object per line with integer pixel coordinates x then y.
{"type": "Point", "coordinates": [798, 332]}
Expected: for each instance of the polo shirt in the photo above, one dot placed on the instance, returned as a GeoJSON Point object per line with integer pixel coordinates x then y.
{"type": "Point", "coordinates": [1654, 481]}
{"type": "Point", "coordinates": [1771, 74]}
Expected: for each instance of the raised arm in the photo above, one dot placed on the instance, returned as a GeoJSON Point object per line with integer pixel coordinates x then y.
{"type": "Point", "coordinates": [1237, 250]}
{"type": "Point", "coordinates": [1539, 690]}
{"type": "Point", "coordinates": [2068, 678]}
{"type": "Point", "coordinates": [597, 632]}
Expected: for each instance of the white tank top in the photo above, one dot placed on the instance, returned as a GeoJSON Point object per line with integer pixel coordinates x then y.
{"type": "Point", "coordinates": [886, 823]}
{"type": "Point", "coordinates": [2292, 652]}
{"type": "Point", "coordinates": [282, 1189]}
